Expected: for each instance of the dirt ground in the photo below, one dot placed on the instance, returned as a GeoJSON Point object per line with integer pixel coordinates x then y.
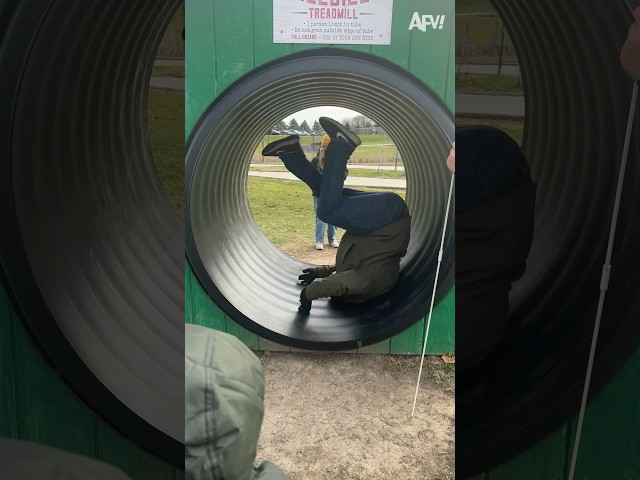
{"type": "Point", "coordinates": [306, 252]}
{"type": "Point", "coordinates": [348, 417]}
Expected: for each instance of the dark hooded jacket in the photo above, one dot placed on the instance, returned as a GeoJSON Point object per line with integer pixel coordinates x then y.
{"type": "Point", "coordinates": [366, 266]}
{"type": "Point", "coordinates": [495, 199]}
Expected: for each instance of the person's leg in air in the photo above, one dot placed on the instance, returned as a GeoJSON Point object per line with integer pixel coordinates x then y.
{"type": "Point", "coordinates": [357, 212]}
{"type": "Point", "coordinates": [290, 152]}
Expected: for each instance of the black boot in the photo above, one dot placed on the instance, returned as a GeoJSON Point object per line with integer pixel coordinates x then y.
{"type": "Point", "coordinates": [284, 145]}
{"type": "Point", "coordinates": [337, 130]}
{"type": "Point", "coordinates": [305, 304]}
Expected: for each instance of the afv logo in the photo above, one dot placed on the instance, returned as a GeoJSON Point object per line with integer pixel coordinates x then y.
{"type": "Point", "coordinates": [421, 22]}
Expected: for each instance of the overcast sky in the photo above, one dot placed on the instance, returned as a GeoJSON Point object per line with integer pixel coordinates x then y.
{"type": "Point", "coordinates": [312, 114]}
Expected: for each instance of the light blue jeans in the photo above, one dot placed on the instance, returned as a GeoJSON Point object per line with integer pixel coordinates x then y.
{"type": "Point", "coordinates": [332, 229]}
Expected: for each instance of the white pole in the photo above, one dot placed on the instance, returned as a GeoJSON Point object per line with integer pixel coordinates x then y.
{"type": "Point", "coordinates": [433, 295]}
{"type": "Point", "coordinates": [604, 281]}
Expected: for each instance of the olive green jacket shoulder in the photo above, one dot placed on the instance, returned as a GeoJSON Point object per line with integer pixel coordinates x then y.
{"type": "Point", "coordinates": [367, 266]}
{"type": "Point", "coordinates": [224, 394]}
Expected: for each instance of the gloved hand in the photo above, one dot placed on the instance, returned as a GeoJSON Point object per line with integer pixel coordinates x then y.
{"type": "Point", "coordinates": [305, 304]}
{"type": "Point", "coordinates": [308, 275]}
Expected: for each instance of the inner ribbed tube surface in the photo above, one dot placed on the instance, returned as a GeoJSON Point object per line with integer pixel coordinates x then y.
{"type": "Point", "coordinates": [577, 101]}
{"type": "Point", "coordinates": [249, 278]}
{"type": "Point", "coordinates": [91, 247]}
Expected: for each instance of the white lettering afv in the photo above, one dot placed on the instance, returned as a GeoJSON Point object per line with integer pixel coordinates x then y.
{"type": "Point", "coordinates": [421, 21]}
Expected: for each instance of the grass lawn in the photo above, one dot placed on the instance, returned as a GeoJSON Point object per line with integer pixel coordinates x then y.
{"type": "Point", "coordinates": [478, 39]}
{"type": "Point", "coordinates": [168, 71]}
{"type": "Point", "coordinates": [353, 172]}
{"type": "Point", "coordinates": [284, 210]}
{"type": "Point", "coordinates": [513, 128]}
{"type": "Point", "coordinates": [374, 148]}
{"type": "Point", "coordinates": [495, 84]}
{"type": "Point", "coordinates": [166, 135]}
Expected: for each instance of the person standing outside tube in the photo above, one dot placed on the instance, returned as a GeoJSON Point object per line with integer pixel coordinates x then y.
{"type": "Point", "coordinates": [332, 230]}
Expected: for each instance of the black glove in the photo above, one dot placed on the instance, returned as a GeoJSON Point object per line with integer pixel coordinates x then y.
{"type": "Point", "coordinates": [308, 275]}
{"type": "Point", "coordinates": [305, 304]}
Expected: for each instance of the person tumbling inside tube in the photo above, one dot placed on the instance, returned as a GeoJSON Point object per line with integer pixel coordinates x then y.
{"type": "Point", "coordinates": [377, 224]}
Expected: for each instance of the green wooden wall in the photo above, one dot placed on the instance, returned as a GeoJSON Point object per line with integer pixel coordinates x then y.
{"type": "Point", "coordinates": [35, 405]}
{"type": "Point", "coordinates": [225, 40]}
{"type": "Point", "coordinates": [610, 442]}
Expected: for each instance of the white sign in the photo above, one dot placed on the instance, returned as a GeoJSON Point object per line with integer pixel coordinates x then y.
{"type": "Point", "coordinates": [332, 21]}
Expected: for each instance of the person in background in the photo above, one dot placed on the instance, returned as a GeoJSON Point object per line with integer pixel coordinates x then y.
{"type": "Point", "coordinates": [332, 230]}
{"type": "Point", "coordinates": [630, 53]}
{"type": "Point", "coordinates": [377, 224]}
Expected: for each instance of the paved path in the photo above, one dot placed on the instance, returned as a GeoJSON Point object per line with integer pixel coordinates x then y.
{"type": "Point", "coordinates": [349, 182]}
{"type": "Point", "coordinates": [488, 69]}
{"type": "Point", "coordinates": [355, 166]}
{"type": "Point", "coordinates": [169, 62]}
{"type": "Point", "coordinates": [500, 105]}
{"type": "Point", "coordinates": [167, 83]}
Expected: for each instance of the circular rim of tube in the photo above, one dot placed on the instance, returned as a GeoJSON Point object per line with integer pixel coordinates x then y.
{"type": "Point", "coordinates": [278, 75]}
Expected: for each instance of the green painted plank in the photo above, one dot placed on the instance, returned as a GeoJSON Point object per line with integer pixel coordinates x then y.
{"type": "Point", "coordinates": [135, 462]}
{"type": "Point", "coordinates": [400, 36]}
{"type": "Point", "coordinates": [268, 345]}
{"type": "Point", "coordinates": [380, 347]}
{"type": "Point", "coordinates": [544, 461]}
{"type": "Point", "coordinates": [264, 49]}
{"type": "Point", "coordinates": [250, 339]}
{"type": "Point", "coordinates": [302, 47]}
{"type": "Point", "coordinates": [233, 39]}
{"type": "Point", "coordinates": [8, 413]}
{"type": "Point", "coordinates": [355, 48]}
{"type": "Point", "coordinates": [188, 295]}
{"type": "Point", "coordinates": [204, 311]}
{"type": "Point", "coordinates": [48, 412]}
{"type": "Point", "coordinates": [442, 331]}
{"type": "Point", "coordinates": [610, 440]}
{"type": "Point", "coordinates": [200, 75]}
{"type": "Point", "coordinates": [408, 341]}
{"type": "Point", "coordinates": [427, 60]}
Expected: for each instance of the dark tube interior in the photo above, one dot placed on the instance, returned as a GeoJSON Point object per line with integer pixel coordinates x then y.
{"type": "Point", "coordinates": [249, 278]}
{"type": "Point", "coordinates": [577, 102]}
{"type": "Point", "coordinates": [93, 254]}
